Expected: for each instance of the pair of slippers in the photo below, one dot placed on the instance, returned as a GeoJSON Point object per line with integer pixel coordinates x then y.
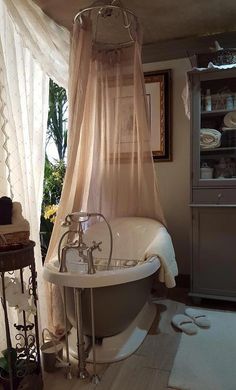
{"type": "Point", "coordinates": [188, 323]}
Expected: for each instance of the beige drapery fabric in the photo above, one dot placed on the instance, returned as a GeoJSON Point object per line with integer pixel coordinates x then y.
{"type": "Point", "coordinates": [110, 167]}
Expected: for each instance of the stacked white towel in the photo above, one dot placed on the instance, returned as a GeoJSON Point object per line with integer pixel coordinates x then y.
{"type": "Point", "coordinates": [209, 138]}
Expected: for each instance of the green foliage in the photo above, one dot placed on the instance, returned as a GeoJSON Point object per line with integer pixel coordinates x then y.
{"type": "Point", "coordinates": [57, 120]}
{"type": "Point", "coordinates": [53, 182]}
{"type": "Point", "coordinates": [54, 172]}
{"type": "Point", "coordinates": [4, 364]}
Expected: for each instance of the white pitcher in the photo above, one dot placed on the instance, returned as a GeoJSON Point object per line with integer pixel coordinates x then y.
{"type": "Point", "coordinates": [206, 172]}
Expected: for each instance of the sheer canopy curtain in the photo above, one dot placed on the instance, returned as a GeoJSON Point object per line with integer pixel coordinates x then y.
{"type": "Point", "coordinates": [110, 167]}
{"type": "Point", "coordinates": [32, 48]}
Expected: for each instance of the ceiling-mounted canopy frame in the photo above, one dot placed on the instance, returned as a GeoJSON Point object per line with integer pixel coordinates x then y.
{"type": "Point", "coordinates": [101, 10]}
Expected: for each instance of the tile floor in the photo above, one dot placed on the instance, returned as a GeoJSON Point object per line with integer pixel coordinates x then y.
{"type": "Point", "coordinates": [149, 367]}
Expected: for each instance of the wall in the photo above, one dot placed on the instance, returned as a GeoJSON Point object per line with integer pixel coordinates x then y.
{"type": "Point", "coordinates": [174, 176]}
{"type": "Point", "coordinates": [3, 170]}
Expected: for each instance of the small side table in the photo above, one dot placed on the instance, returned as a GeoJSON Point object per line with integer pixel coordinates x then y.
{"type": "Point", "coordinates": [23, 352]}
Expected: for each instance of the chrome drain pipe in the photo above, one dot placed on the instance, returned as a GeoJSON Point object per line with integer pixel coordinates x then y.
{"type": "Point", "coordinates": [82, 372]}
{"type": "Point", "coordinates": [95, 378]}
{"type": "Point", "coordinates": [68, 368]}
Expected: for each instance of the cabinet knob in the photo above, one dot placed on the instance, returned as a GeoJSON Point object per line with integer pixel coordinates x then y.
{"type": "Point", "coordinates": [219, 195]}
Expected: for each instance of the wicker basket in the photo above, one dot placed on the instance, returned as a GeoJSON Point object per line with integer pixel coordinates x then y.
{"type": "Point", "coordinates": [219, 57]}
{"type": "Point", "coordinates": [15, 238]}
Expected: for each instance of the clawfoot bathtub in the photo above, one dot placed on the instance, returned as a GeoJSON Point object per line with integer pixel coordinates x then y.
{"type": "Point", "coordinates": [123, 312]}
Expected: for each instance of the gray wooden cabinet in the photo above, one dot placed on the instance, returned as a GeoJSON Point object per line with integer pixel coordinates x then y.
{"type": "Point", "coordinates": [213, 183]}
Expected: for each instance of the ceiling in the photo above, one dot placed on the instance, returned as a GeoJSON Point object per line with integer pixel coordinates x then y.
{"type": "Point", "coordinates": [172, 27]}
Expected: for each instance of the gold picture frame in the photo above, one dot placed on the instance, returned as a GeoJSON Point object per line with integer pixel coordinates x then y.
{"type": "Point", "coordinates": [158, 91]}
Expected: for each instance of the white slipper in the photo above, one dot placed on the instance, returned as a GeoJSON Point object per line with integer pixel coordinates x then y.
{"type": "Point", "coordinates": [184, 323]}
{"type": "Point", "coordinates": [198, 318]}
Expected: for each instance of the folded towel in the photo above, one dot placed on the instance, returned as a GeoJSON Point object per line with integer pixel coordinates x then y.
{"type": "Point", "coordinates": [162, 247]}
{"type": "Point", "coordinates": [210, 138]}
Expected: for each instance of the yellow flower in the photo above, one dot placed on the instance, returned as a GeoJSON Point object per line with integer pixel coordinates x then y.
{"type": "Point", "coordinates": [56, 175]}
{"type": "Point", "coordinates": [53, 219]}
{"type": "Point", "coordinates": [50, 212]}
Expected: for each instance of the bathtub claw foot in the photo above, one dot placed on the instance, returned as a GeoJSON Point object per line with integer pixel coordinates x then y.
{"type": "Point", "coordinates": [95, 379]}
{"type": "Point", "coordinates": [83, 374]}
{"type": "Point", "coordinates": [69, 374]}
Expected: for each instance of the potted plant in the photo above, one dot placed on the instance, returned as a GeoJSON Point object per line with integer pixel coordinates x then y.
{"type": "Point", "coordinates": [7, 356]}
{"type": "Point", "coordinates": [26, 367]}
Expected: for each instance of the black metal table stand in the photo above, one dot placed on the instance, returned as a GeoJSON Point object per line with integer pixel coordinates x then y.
{"type": "Point", "coordinates": [23, 352]}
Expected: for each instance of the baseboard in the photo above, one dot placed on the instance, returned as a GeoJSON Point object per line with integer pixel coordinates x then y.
{"type": "Point", "coordinates": [183, 281]}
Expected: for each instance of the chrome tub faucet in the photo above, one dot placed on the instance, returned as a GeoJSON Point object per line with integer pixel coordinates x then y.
{"type": "Point", "coordinates": [85, 253]}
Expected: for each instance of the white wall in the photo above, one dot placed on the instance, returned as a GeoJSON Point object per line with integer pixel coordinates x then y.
{"type": "Point", "coordinates": [3, 170]}
{"type": "Point", "coordinates": [174, 176]}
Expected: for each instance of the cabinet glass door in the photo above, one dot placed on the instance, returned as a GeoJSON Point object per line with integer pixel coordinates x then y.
{"type": "Point", "coordinates": [218, 130]}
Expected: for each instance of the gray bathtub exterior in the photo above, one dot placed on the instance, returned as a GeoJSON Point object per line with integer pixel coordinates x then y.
{"type": "Point", "coordinates": [115, 307]}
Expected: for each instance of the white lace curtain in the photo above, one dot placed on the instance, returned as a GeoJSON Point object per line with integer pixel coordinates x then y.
{"type": "Point", "coordinates": [48, 43]}
{"type": "Point", "coordinates": [32, 48]}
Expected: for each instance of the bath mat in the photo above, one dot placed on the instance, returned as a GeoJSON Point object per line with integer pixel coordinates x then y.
{"type": "Point", "coordinates": [207, 360]}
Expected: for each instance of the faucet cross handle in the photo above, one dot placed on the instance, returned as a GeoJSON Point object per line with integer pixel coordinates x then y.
{"type": "Point", "coordinates": [91, 267]}
{"type": "Point", "coordinates": [96, 246]}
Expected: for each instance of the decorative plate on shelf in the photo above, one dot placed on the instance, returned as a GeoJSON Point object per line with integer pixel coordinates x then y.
{"type": "Point", "coordinates": [230, 119]}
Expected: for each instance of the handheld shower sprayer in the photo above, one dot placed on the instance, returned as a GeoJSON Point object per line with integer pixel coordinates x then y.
{"type": "Point", "coordinates": [81, 217]}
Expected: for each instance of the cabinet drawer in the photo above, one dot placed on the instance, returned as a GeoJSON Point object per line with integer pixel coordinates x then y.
{"type": "Point", "coordinates": [214, 196]}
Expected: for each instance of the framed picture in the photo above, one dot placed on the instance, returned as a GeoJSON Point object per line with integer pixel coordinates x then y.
{"type": "Point", "coordinates": [158, 90]}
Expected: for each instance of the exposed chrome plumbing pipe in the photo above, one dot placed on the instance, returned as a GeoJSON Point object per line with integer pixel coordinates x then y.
{"type": "Point", "coordinates": [82, 371]}
{"type": "Point", "coordinates": [79, 244]}
{"type": "Point", "coordinates": [95, 378]}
